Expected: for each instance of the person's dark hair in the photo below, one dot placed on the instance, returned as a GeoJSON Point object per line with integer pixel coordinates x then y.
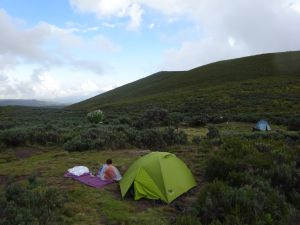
{"type": "Point", "coordinates": [109, 161]}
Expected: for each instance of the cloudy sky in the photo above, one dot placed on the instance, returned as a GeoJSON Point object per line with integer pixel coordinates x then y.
{"type": "Point", "coordinates": [69, 50]}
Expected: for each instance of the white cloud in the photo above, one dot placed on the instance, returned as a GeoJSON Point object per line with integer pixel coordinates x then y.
{"type": "Point", "coordinates": [194, 53]}
{"type": "Point", "coordinates": [7, 61]}
{"type": "Point", "coordinates": [295, 6]}
{"type": "Point", "coordinates": [49, 45]}
{"type": "Point", "coordinates": [3, 78]}
{"type": "Point", "coordinates": [231, 41]}
{"type": "Point", "coordinates": [135, 13]}
{"type": "Point", "coordinates": [102, 8]}
{"type": "Point", "coordinates": [89, 86]}
{"type": "Point", "coordinates": [111, 8]}
{"type": "Point", "coordinates": [237, 27]}
{"type": "Point", "coordinates": [42, 84]}
{"type": "Point", "coordinates": [87, 65]}
{"type": "Point", "coordinates": [151, 26]}
{"type": "Point", "coordinates": [109, 25]}
{"type": "Point", "coordinates": [231, 30]}
{"type": "Point", "coordinates": [17, 43]}
{"type": "Point", "coordinates": [102, 44]}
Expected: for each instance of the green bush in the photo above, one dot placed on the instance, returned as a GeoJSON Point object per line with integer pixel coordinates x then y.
{"type": "Point", "coordinates": [32, 206]}
{"type": "Point", "coordinates": [199, 120]}
{"type": "Point", "coordinates": [152, 118]}
{"type": "Point", "coordinates": [123, 136]}
{"type": "Point", "coordinates": [213, 132]}
{"type": "Point", "coordinates": [172, 136]}
{"type": "Point", "coordinates": [95, 116]}
{"type": "Point", "coordinates": [221, 203]}
{"type": "Point", "coordinates": [250, 183]}
{"type": "Point", "coordinates": [196, 140]}
{"type": "Point", "coordinates": [285, 176]}
{"type": "Point", "coordinates": [124, 120]}
{"type": "Point", "coordinates": [156, 115]}
{"type": "Point", "coordinates": [175, 118]}
{"type": "Point", "coordinates": [15, 137]}
{"type": "Point", "coordinates": [294, 124]}
{"type": "Point", "coordinates": [150, 138]}
{"type": "Point", "coordinates": [219, 167]}
{"type": "Point", "coordinates": [44, 135]}
{"type": "Point", "coordinates": [76, 144]}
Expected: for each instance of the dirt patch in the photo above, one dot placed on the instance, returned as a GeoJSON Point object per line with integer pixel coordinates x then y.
{"type": "Point", "coordinates": [134, 152]}
{"type": "Point", "coordinates": [26, 152]}
{"type": "Point", "coordinates": [3, 179]}
{"type": "Point", "coordinates": [144, 204]}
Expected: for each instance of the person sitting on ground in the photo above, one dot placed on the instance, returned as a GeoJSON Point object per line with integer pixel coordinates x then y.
{"type": "Point", "coordinates": [109, 172]}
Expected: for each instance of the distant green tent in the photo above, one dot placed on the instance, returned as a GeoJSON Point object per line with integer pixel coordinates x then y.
{"type": "Point", "coordinates": [157, 175]}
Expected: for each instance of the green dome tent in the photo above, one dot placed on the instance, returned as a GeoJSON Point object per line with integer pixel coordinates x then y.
{"type": "Point", "coordinates": [157, 175]}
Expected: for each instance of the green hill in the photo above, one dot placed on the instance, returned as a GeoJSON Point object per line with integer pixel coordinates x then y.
{"type": "Point", "coordinates": [268, 83]}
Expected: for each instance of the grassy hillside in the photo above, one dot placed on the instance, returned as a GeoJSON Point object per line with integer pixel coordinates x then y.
{"type": "Point", "coordinates": [255, 84]}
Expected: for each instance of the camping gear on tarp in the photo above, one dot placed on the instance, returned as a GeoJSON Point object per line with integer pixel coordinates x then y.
{"type": "Point", "coordinates": [78, 170]}
{"type": "Point", "coordinates": [157, 175]}
{"type": "Point", "coordinates": [262, 125]}
{"type": "Point", "coordinates": [109, 172]}
{"type": "Point", "coordinates": [89, 180]}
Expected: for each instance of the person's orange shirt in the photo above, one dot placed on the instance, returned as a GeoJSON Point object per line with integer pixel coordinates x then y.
{"type": "Point", "coordinates": [109, 173]}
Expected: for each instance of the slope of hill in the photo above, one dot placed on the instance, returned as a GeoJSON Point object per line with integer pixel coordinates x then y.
{"type": "Point", "coordinates": [28, 102]}
{"type": "Point", "coordinates": [255, 84]}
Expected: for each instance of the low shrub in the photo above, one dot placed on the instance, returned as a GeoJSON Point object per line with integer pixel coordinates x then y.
{"type": "Point", "coordinates": [150, 138]}
{"type": "Point", "coordinates": [294, 124]}
{"type": "Point", "coordinates": [219, 167]}
{"type": "Point", "coordinates": [174, 136]}
{"type": "Point", "coordinates": [123, 136]}
{"type": "Point", "coordinates": [213, 132]}
{"type": "Point", "coordinates": [124, 120]}
{"type": "Point", "coordinates": [219, 203]}
{"type": "Point", "coordinates": [32, 205]}
{"type": "Point", "coordinates": [261, 147]}
{"type": "Point", "coordinates": [44, 136]}
{"type": "Point", "coordinates": [175, 118]}
{"type": "Point", "coordinates": [196, 140]}
{"type": "Point", "coordinates": [285, 176]}
{"type": "Point", "coordinates": [199, 120]}
{"type": "Point", "coordinates": [152, 118]}
{"type": "Point", "coordinates": [15, 137]}
{"type": "Point", "coordinates": [76, 144]}
{"type": "Point", "coordinates": [250, 183]}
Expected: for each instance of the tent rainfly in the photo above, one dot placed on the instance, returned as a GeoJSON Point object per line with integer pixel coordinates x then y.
{"type": "Point", "coordinates": [262, 125]}
{"type": "Point", "coordinates": [157, 175]}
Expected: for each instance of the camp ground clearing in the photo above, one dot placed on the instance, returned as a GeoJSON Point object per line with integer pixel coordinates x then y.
{"type": "Point", "coordinates": [87, 205]}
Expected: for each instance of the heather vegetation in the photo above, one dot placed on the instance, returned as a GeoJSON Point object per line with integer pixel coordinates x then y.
{"type": "Point", "coordinates": [78, 132]}
{"type": "Point", "coordinates": [251, 181]}
{"type": "Point", "coordinates": [32, 204]}
{"type": "Point", "coordinates": [244, 177]}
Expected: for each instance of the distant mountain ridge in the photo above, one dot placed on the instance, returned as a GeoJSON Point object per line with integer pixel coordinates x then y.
{"type": "Point", "coordinates": [261, 83]}
{"type": "Point", "coordinates": [29, 102]}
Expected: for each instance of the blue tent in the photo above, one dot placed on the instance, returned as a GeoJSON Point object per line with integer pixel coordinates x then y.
{"type": "Point", "coordinates": [262, 125]}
